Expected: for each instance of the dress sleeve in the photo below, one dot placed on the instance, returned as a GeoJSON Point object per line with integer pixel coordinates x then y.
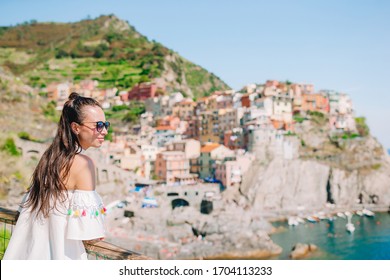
{"type": "Point", "coordinates": [85, 216]}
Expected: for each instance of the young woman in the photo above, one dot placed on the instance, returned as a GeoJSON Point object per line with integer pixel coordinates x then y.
{"type": "Point", "coordinates": [61, 207]}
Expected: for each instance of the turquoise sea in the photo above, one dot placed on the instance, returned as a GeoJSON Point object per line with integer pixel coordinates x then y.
{"type": "Point", "coordinates": [369, 241]}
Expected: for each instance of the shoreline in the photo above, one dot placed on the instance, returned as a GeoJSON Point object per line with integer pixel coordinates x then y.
{"type": "Point", "coordinates": [280, 216]}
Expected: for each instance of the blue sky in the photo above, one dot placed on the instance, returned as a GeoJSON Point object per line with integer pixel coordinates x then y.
{"type": "Point", "coordinates": [339, 45]}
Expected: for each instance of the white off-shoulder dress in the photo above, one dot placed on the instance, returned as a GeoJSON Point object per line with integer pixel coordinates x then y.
{"type": "Point", "coordinates": [59, 236]}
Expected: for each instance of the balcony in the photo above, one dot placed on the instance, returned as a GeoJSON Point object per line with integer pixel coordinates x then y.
{"type": "Point", "coordinates": [96, 250]}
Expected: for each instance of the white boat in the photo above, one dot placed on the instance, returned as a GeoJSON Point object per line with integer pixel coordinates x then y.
{"type": "Point", "coordinates": [350, 227]}
{"type": "Point", "coordinates": [321, 215]}
{"type": "Point", "coordinates": [359, 213]}
{"type": "Point", "coordinates": [292, 221]}
{"type": "Point", "coordinates": [368, 213]}
{"type": "Point", "coordinates": [340, 214]}
{"type": "Point", "coordinates": [312, 219]}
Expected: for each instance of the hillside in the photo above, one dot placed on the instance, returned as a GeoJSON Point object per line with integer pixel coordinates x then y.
{"type": "Point", "coordinates": [21, 114]}
{"type": "Point", "coordinates": [106, 49]}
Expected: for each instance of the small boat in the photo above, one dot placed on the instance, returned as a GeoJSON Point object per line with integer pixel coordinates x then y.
{"type": "Point", "coordinates": [359, 213]}
{"type": "Point", "coordinates": [368, 213]}
{"type": "Point", "coordinates": [340, 214]}
{"type": "Point", "coordinates": [320, 215]}
{"type": "Point", "coordinates": [292, 221]}
{"type": "Point", "coordinates": [347, 213]}
{"type": "Point", "coordinates": [312, 219]}
{"type": "Point", "coordinates": [350, 227]}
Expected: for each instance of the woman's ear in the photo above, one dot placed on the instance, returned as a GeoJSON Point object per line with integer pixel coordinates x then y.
{"type": "Point", "coordinates": [75, 128]}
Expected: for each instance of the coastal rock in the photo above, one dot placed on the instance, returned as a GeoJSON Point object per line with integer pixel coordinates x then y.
{"type": "Point", "coordinates": [357, 173]}
{"type": "Point", "coordinates": [287, 184]}
{"type": "Point", "coordinates": [184, 233]}
{"type": "Point", "coordinates": [301, 250]}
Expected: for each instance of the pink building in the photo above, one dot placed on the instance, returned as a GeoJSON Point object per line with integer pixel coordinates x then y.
{"type": "Point", "coordinates": [143, 91]}
{"type": "Point", "coordinates": [88, 85]}
{"type": "Point", "coordinates": [271, 83]}
{"type": "Point", "coordinates": [231, 172]}
{"type": "Point", "coordinates": [296, 89]}
{"type": "Point", "coordinates": [58, 91]}
{"type": "Point", "coordinates": [307, 88]}
{"type": "Point", "coordinates": [171, 121]}
{"type": "Point", "coordinates": [185, 109]}
{"type": "Point", "coordinates": [170, 165]}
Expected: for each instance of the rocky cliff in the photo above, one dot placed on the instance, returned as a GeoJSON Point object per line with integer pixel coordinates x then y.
{"type": "Point", "coordinates": [328, 168]}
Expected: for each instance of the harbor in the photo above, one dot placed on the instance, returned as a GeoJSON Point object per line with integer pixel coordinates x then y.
{"type": "Point", "coordinates": [369, 241]}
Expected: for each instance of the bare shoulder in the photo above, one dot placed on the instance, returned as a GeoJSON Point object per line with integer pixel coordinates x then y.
{"type": "Point", "coordinates": [82, 173]}
{"type": "Point", "coordinates": [83, 161]}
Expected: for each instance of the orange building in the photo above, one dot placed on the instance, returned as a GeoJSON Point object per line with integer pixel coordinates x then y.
{"type": "Point", "coordinates": [315, 103]}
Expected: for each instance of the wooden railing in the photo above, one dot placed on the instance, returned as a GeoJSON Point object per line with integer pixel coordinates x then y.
{"type": "Point", "coordinates": [95, 249]}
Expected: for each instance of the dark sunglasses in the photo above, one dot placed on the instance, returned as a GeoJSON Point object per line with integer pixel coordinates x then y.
{"type": "Point", "coordinates": [100, 125]}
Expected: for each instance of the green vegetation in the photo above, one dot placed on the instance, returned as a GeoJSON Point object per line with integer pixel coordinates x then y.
{"type": "Point", "coordinates": [362, 127]}
{"type": "Point", "coordinates": [42, 94]}
{"type": "Point", "coordinates": [197, 76]}
{"type": "Point", "coordinates": [26, 136]}
{"type": "Point", "coordinates": [119, 108]}
{"type": "Point", "coordinates": [50, 112]}
{"type": "Point", "coordinates": [10, 147]}
{"type": "Point", "coordinates": [43, 53]}
{"type": "Point", "coordinates": [289, 133]}
{"type": "Point", "coordinates": [376, 166]}
{"type": "Point", "coordinates": [135, 110]}
{"type": "Point", "coordinates": [5, 236]}
{"type": "Point", "coordinates": [126, 113]}
{"type": "Point", "coordinates": [18, 175]}
{"type": "Point", "coordinates": [298, 118]}
{"type": "Point", "coordinates": [316, 114]}
{"type": "Point", "coordinates": [318, 117]}
{"type": "Point", "coordinates": [350, 136]}
{"type": "Point", "coordinates": [109, 134]}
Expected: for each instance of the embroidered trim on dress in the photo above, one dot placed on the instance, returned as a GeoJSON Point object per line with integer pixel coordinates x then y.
{"type": "Point", "coordinates": [87, 211]}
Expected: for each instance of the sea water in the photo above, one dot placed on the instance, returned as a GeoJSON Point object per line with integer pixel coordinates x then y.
{"type": "Point", "coordinates": [369, 241]}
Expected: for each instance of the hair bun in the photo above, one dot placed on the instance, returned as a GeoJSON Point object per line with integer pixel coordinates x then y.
{"type": "Point", "coordinates": [73, 96]}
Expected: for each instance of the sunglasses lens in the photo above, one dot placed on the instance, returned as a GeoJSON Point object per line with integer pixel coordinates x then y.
{"type": "Point", "coordinates": [101, 125]}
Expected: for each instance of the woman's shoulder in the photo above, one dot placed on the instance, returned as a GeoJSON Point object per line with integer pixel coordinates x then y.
{"type": "Point", "coordinates": [82, 173]}
{"type": "Point", "coordinates": [82, 161]}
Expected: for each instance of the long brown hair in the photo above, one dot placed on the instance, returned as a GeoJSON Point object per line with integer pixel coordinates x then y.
{"type": "Point", "coordinates": [48, 180]}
